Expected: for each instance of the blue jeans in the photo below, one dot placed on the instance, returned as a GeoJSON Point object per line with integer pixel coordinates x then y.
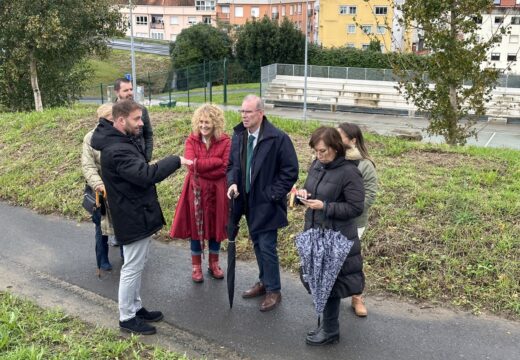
{"type": "Point", "coordinates": [264, 245]}
{"type": "Point", "coordinates": [196, 249]}
{"type": "Point", "coordinates": [101, 243]}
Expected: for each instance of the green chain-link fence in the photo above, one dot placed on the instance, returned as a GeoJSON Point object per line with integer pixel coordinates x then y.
{"type": "Point", "coordinates": [221, 82]}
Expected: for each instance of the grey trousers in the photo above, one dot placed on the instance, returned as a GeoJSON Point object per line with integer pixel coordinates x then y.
{"type": "Point", "coordinates": [135, 254]}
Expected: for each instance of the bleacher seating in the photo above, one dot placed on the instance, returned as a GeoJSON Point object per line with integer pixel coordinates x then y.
{"type": "Point", "coordinates": [368, 96]}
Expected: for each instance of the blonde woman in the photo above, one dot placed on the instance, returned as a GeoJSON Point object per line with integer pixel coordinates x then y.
{"type": "Point", "coordinates": [91, 167]}
{"type": "Point", "coordinates": [203, 198]}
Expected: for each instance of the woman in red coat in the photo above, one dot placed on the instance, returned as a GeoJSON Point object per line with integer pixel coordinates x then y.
{"type": "Point", "coordinates": [202, 209]}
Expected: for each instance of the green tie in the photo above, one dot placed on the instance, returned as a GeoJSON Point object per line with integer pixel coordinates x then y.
{"type": "Point", "coordinates": [250, 148]}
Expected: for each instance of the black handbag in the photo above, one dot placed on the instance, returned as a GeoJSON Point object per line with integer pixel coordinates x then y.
{"type": "Point", "coordinates": [89, 199]}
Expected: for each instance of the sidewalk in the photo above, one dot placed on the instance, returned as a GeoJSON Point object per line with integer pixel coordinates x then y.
{"type": "Point", "coordinates": [52, 261]}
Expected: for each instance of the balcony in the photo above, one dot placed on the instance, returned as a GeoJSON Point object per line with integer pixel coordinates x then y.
{"type": "Point", "coordinates": [223, 17]}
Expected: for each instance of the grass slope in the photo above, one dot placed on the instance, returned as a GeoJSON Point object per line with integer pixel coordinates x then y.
{"type": "Point", "coordinates": [445, 227]}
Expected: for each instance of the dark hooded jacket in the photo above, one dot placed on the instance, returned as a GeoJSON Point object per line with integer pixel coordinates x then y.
{"type": "Point", "coordinates": [339, 185]}
{"type": "Point", "coordinates": [130, 183]}
{"type": "Point", "coordinates": [274, 170]}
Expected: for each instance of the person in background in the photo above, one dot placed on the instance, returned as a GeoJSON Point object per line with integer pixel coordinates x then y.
{"type": "Point", "coordinates": [125, 91]}
{"type": "Point", "coordinates": [262, 169]}
{"type": "Point", "coordinates": [333, 194]}
{"type": "Point", "coordinates": [352, 137]}
{"type": "Point", "coordinates": [208, 147]}
{"type": "Point", "coordinates": [91, 168]}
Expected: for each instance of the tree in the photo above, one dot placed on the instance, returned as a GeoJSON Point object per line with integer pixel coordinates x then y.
{"type": "Point", "coordinates": [44, 48]}
{"type": "Point", "coordinates": [451, 85]}
{"type": "Point", "coordinates": [265, 42]}
{"type": "Point", "coordinates": [199, 43]}
{"type": "Point", "coordinates": [374, 46]}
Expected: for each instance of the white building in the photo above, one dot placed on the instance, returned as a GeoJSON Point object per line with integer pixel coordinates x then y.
{"type": "Point", "coordinates": [505, 54]}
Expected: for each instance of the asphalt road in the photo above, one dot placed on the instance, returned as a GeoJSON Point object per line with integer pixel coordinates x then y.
{"type": "Point", "coordinates": [150, 48]}
{"type": "Point", "coordinates": [64, 249]}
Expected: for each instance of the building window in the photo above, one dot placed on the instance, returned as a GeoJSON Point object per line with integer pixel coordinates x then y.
{"type": "Point", "coordinates": [381, 10]}
{"type": "Point", "coordinates": [291, 10]}
{"type": "Point", "coordinates": [206, 20]}
{"type": "Point", "coordinates": [497, 2]}
{"type": "Point", "coordinates": [495, 56]}
{"type": "Point", "coordinates": [365, 46]}
{"type": "Point", "coordinates": [205, 5]}
{"type": "Point", "coordinates": [351, 45]}
{"type": "Point", "coordinates": [511, 57]}
{"type": "Point", "coordinates": [299, 7]}
{"type": "Point", "coordinates": [367, 29]}
{"type": "Point", "coordinates": [225, 9]}
{"type": "Point", "coordinates": [239, 11]}
{"type": "Point", "coordinates": [283, 11]}
{"type": "Point", "coordinates": [174, 20]}
{"type": "Point", "coordinates": [381, 29]}
{"type": "Point", "coordinates": [141, 20]}
{"type": "Point", "coordinates": [515, 20]}
{"type": "Point", "coordinates": [158, 35]}
{"type": "Point", "coordinates": [173, 37]}
{"type": "Point", "coordinates": [477, 19]}
{"type": "Point", "coordinates": [192, 20]}
{"type": "Point", "coordinates": [499, 20]}
{"type": "Point", "coordinates": [274, 13]}
{"type": "Point", "coordinates": [351, 28]}
{"type": "Point", "coordinates": [347, 10]}
{"type": "Point", "coordinates": [255, 12]}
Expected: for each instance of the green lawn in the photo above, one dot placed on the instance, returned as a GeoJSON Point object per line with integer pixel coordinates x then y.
{"type": "Point", "coordinates": [118, 63]}
{"type": "Point", "coordinates": [29, 332]}
{"type": "Point", "coordinates": [444, 228]}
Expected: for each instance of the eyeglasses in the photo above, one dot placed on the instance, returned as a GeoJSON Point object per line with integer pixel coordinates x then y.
{"type": "Point", "coordinates": [247, 112]}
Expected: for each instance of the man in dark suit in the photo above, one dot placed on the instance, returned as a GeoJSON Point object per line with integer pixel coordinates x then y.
{"type": "Point", "coordinates": [262, 169]}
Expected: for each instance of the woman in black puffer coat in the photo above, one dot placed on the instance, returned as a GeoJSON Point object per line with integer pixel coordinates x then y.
{"type": "Point", "coordinates": [335, 197]}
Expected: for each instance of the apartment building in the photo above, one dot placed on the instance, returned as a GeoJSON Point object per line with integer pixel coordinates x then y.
{"type": "Point", "coordinates": [354, 23]}
{"type": "Point", "coordinates": [165, 19]}
{"type": "Point", "coordinates": [505, 54]}
{"type": "Point", "coordinates": [237, 12]}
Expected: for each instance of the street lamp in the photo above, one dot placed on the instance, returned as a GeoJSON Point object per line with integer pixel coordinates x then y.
{"type": "Point", "coordinates": [132, 54]}
{"type": "Point", "coordinates": [305, 63]}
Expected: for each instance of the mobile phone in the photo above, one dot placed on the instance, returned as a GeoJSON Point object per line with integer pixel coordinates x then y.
{"type": "Point", "coordinates": [301, 198]}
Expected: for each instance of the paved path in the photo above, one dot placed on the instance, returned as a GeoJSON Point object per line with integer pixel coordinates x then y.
{"type": "Point", "coordinates": [61, 254]}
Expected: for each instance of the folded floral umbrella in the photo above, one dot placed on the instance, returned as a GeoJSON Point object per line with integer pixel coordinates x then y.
{"type": "Point", "coordinates": [322, 254]}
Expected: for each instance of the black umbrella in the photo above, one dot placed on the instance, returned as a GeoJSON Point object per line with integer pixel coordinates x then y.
{"type": "Point", "coordinates": [232, 230]}
{"type": "Point", "coordinates": [322, 254]}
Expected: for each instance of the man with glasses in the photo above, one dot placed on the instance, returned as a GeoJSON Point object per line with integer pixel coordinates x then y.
{"type": "Point", "coordinates": [262, 169]}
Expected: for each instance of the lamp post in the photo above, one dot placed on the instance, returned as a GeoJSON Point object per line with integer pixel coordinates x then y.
{"type": "Point", "coordinates": [305, 62]}
{"type": "Point", "coordinates": [132, 54]}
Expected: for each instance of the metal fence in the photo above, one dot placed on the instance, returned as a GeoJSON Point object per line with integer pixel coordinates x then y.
{"type": "Point", "coordinates": [206, 82]}
{"type": "Point", "coordinates": [269, 72]}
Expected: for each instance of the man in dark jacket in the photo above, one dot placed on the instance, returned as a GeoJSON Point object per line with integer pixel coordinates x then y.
{"type": "Point", "coordinates": [125, 91]}
{"type": "Point", "coordinates": [262, 169]}
{"type": "Point", "coordinates": [136, 214]}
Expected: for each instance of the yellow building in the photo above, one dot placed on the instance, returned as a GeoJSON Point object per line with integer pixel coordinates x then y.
{"type": "Point", "coordinates": [354, 23]}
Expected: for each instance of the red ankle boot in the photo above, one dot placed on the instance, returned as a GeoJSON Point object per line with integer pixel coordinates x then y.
{"type": "Point", "coordinates": [214, 270]}
{"type": "Point", "coordinates": [196, 273]}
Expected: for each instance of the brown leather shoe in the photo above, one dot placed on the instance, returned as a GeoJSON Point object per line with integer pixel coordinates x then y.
{"type": "Point", "coordinates": [257, 289]}
{"type": "Point", "coordinates": [270, 301]}
{"type": "Point", "coordinates": [359, 306]}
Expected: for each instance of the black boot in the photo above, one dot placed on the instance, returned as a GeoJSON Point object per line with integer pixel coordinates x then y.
{"type": "Point", "coordinates": [329, 332]}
